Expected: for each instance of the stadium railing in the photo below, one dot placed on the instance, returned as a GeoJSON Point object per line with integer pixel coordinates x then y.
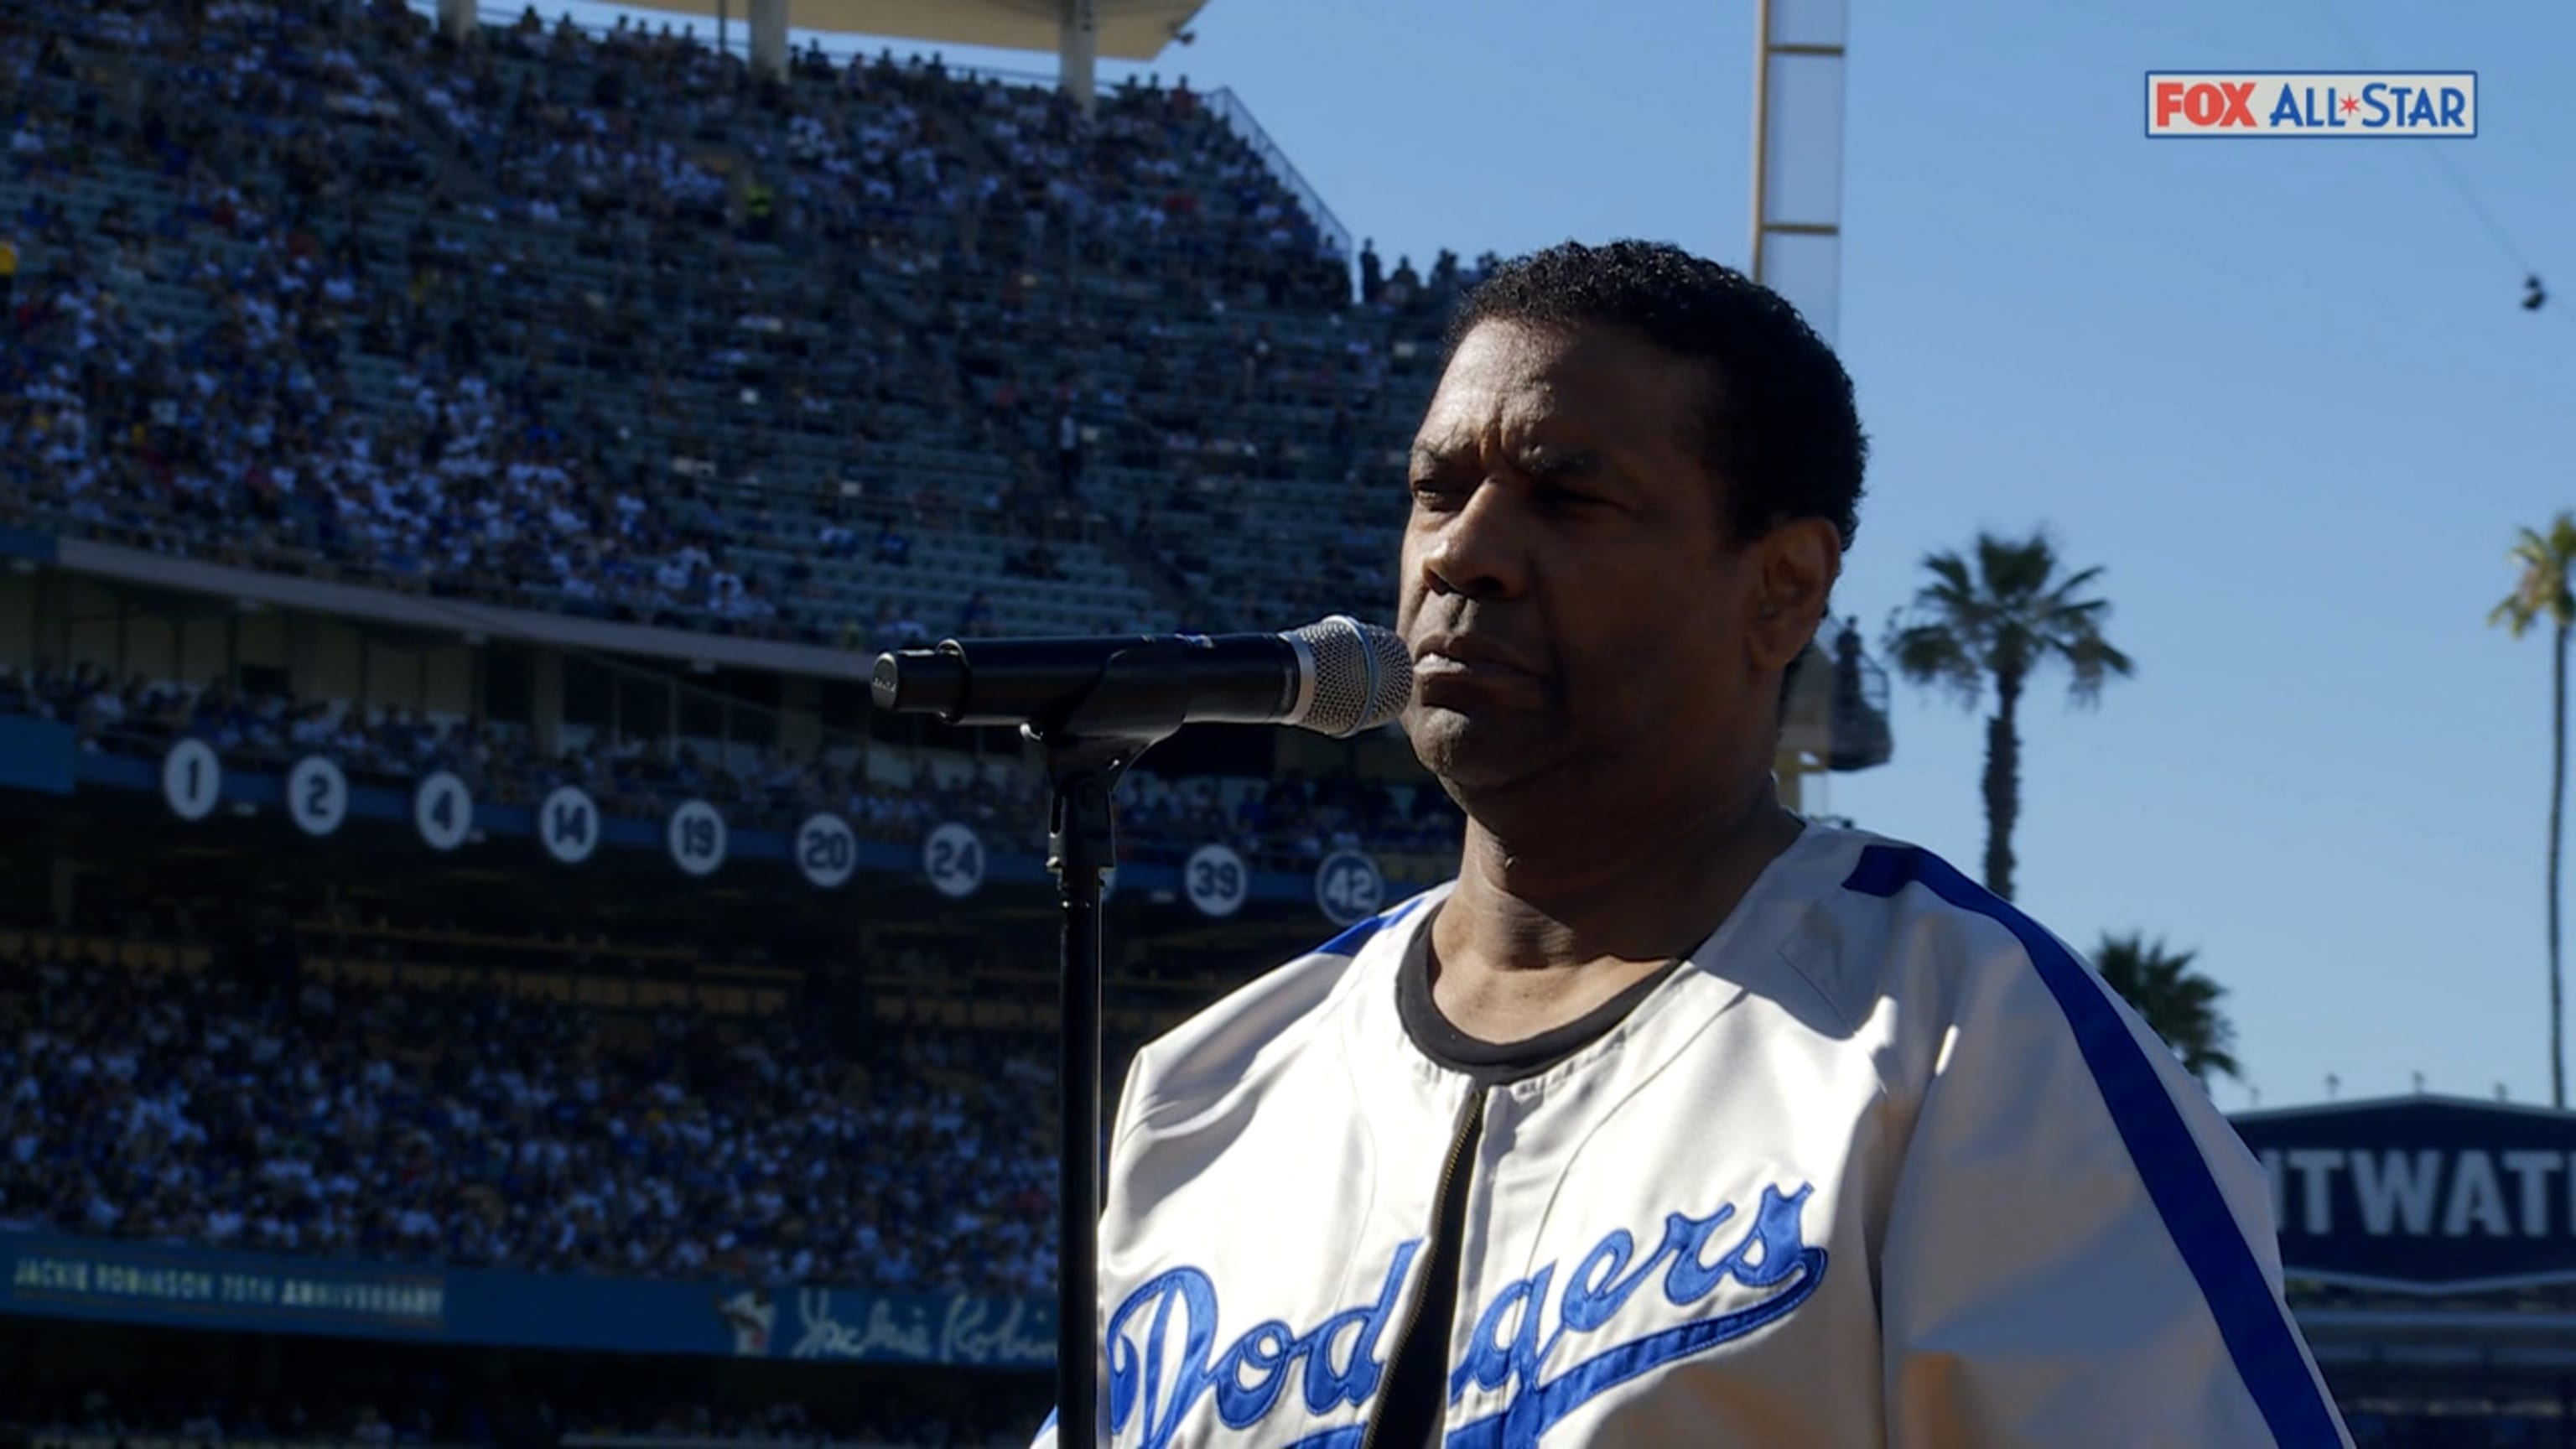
{"type": "Point", "coordinates": [1226, 106]}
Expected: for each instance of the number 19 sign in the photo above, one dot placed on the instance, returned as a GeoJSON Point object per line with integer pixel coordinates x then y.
{"type": "Point", "coordinates": [696, 835]}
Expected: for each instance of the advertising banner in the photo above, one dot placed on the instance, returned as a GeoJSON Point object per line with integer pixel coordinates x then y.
{"type": "Point", "coordinates": [47, 1276]}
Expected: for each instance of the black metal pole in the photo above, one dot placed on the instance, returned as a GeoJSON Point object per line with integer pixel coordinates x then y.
{"type": "Point", "coordinates": [1077, 1372]}
{"type": "Point", "coordinates": [1136, 701]}
{"type": "Point", "coordinates": [1084, 844]}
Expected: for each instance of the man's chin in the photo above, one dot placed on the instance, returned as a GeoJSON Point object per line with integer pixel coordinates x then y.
{"type": "Point", "coordinates": [1469, 753]}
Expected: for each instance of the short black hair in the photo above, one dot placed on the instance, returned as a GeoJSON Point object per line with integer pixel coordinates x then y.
{"type": "Point", "coordinates": [1779, 425]}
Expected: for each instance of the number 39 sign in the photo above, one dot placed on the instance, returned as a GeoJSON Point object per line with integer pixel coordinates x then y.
{"type": "Point", "coordinates": [1216, 880]}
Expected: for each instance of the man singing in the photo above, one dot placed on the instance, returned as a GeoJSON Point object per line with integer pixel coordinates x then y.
{"type": "Point", "coordinates": [1675, 1121]}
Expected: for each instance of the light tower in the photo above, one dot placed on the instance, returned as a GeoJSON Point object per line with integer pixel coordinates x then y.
{"type": "Point", "coordinates": [1798, 155]}
{"type": "Point", "coordinates": [1835, 717]}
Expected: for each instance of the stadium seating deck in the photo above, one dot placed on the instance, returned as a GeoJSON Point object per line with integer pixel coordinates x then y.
{"type": "Point", "coordinates": [767, 359]}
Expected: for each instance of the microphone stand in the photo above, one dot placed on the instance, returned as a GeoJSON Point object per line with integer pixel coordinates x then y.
{"type": "Point", "coordinates": [1129, 709]}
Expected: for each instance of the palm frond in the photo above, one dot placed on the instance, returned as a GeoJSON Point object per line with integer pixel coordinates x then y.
{"type": "Point", "coordinates": [1932, 655]}
{"type": "Point", "coordinates": [2178, 1004]}
{"type": "Point", "coordinates": [2015, 570]}
{"type": "Point", "coordinates": [2546, 587]}
{"type": "Point", "coordinates": [2093, 661]}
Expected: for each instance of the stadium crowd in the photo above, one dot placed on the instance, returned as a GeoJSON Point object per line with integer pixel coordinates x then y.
{"type": "Point", "coordinates": [306, 287]}
{"type": "Point", "coordinates": [463, 1128]}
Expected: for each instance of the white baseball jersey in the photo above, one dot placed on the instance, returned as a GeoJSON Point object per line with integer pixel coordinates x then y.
{"type": "Point", "coordinates": [1882, 1163]}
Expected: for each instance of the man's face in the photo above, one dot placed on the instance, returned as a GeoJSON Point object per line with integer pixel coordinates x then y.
{"type": "Point", "coordinates": [1569, 590]}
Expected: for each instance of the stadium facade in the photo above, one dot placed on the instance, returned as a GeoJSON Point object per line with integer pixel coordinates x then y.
{"type": "Point", "coordinates": [472, 967]}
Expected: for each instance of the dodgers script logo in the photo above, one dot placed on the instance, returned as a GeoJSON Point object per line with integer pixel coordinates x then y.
{"type": "Point", "coordinates": [1164, 1358]}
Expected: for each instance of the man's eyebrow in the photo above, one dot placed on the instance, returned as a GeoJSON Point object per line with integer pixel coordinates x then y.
{"type": "Point", "coordinates": [1436, 455]}
{"type": "Point", "coordinates": [1538, 460]}
{"type": "Point", "coordinates": [1559, 464]}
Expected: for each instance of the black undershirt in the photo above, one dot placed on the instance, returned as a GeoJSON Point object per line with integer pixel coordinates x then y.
{"type": "Point", "coordinates": [1417, 1384]}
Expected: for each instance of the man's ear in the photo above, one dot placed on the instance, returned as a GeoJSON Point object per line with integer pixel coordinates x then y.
{"type": "Point", "coordinates": [1795, 566]}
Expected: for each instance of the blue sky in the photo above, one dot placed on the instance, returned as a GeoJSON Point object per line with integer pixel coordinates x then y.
{"type": "Point", "coordinates": [2280, 391]}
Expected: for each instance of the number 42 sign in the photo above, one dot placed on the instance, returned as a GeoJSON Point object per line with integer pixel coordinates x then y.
{"type": "Point", "coordinates": [1349, 888]}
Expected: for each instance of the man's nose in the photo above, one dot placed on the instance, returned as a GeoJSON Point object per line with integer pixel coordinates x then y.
{"type": "Point", "coordinates": [1482, 550]}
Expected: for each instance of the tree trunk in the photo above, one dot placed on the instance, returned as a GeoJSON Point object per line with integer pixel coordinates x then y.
{"type": "Point", "coordinates": [2557, 826]}
{"type": "Point", "coordinates": [2003, 783]}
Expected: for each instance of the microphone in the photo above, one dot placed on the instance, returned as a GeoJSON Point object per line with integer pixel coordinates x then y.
{"type": "Point", "coordinates": [1337, 676]}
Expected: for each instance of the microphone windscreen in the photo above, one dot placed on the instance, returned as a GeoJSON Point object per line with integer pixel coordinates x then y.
{"type": "Point", "coordinates": [1362, 676]}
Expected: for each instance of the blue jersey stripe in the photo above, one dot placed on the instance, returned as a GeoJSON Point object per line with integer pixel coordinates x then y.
{"type": "Point", "coordinates": [1349, 942]}
{"type": "Point", "coordinates": [2250, 1320]}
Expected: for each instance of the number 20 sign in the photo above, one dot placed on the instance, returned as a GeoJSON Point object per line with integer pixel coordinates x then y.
{"type": "Point", "coordinates": [827, 850]}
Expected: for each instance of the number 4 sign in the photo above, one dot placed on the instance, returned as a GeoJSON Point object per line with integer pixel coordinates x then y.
{"type": "Point", "coordinates": [443, 811]}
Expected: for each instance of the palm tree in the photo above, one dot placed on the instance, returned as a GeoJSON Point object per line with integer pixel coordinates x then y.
{"type": "Point", "coordinates": [2548, 589]}
{"type": "Point", "coordinates": [2179, 1005]}
{"type": "Point", "coordinates": [2003, 618]}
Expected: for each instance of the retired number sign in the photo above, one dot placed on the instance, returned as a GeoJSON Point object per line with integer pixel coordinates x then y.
{"type": "Point", "coordinates": [1216, 880]}
{"type": "Point", "coordinates": [697, 837]}
{"type": "Point", "coordinates": [442, 810]}
{"type": "Point", "coordinates": [568, 825]}
{"type": "Point", "coordinates": [317, 795]}
{"type": "Point", "coordinates": [827, 850]}
{"type": "Point", "coordinates": [953, 858]}
{"type": "Point", "coordinates": [1349, 888]}
{"type": "Point", "coordinates": [192, 779]}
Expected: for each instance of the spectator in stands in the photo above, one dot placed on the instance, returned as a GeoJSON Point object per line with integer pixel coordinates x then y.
{"type": "Point", "coordinates": [892, 547]}
{"type": "Point", "coordinates": [1068, 451]}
